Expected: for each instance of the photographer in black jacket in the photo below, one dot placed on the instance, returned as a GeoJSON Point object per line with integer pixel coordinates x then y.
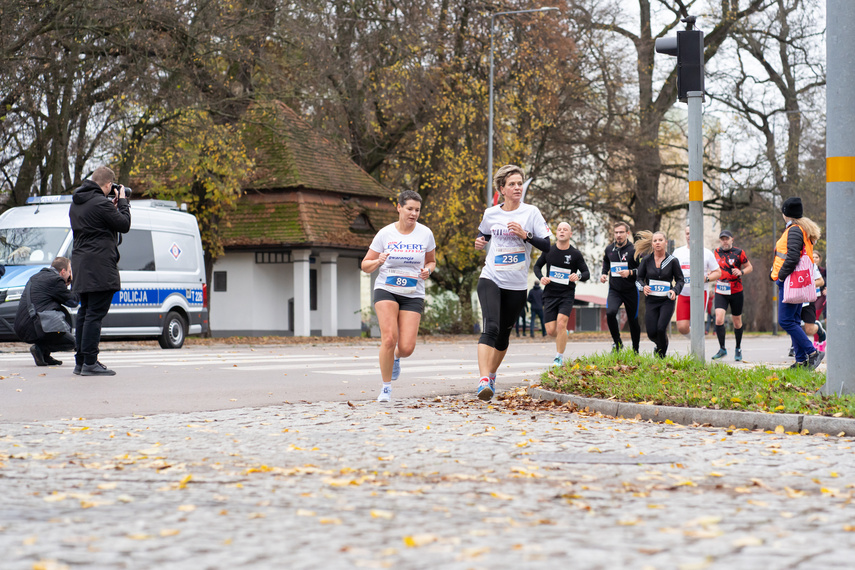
{"type": "Point", "coordinates": [47, 290]}
{"type": "Point", "coordinates": [96, 220]}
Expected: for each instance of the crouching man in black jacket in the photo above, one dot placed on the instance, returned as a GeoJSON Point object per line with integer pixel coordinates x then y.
{"type": "Point", "coordinates": [47, 290]}
{"type": "Point", "coordinates": [96, 221]}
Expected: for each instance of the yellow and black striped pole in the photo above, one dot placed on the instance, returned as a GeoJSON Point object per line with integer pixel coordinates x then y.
{"type": "Point", "coordinates": [840, 196]}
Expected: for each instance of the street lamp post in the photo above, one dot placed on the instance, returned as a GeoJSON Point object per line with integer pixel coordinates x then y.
{"type": "Point", "coordinates": [490, 119]}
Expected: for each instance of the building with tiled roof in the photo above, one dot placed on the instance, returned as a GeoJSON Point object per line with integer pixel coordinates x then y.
{"type": "Point", "coordinates": [294, 243]}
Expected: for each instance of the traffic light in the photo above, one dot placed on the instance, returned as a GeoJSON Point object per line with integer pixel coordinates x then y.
{"type": "Point", "coordinates": [688, 46]}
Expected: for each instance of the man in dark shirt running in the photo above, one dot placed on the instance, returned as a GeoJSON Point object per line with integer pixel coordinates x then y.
{"type": "Point", "coordinates": [565, 265]}
{"type": "Point", "coordinates": [620, 269]}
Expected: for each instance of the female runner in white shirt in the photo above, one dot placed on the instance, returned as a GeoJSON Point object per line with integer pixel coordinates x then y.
{"type": "Point", "coordinates": [405, 254]}
{"type": "Point", "coordinates": [509, 230]}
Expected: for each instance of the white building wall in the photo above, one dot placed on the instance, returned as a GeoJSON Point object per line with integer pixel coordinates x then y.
{"type": "Point", "coordinates": [268, 299]}
{"type": "Point", "coordinates": [229, 309]}
{"type": "Point", "coordinates": [256, 300]}
{"type": "Point", "coordinates": [349, 297]}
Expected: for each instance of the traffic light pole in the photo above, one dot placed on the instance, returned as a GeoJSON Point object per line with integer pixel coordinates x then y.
{"type": "Point", "coordinates": [696, 223]}
{"type": "Point", "coordinates": [688, 46]}
{"type": "Point", "coordinates": [840, 195]}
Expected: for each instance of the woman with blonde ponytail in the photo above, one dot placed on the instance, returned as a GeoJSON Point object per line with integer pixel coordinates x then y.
{"type": "Point", "coordinates": [661, 279]}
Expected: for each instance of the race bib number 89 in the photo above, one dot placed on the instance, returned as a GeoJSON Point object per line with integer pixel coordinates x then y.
{"type": "Point", "coordinates": [402, 283]}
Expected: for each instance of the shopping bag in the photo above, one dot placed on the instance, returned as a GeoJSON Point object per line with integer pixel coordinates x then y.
{"type": "Point", "coordinates": [799, 286]}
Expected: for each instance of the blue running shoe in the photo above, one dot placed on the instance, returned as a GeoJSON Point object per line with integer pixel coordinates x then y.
{"type": "Point", "coordinates": [558, 361]}
{"type": "Point", "coordinates": [396, 369]}
{"type": "Point", "coordinates": [485, 389]}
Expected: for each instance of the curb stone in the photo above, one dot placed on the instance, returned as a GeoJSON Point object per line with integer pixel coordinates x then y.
{"type": "Point", "coordinates": [717, 418]}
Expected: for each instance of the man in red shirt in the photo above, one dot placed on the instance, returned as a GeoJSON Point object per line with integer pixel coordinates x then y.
{"type": "Point", "coordinates": [728, 291]}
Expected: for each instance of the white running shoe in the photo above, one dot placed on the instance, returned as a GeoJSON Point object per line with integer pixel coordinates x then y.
{"type": "Point", "coordinates": [485, 389]}
{"type": "Point", "coordinates": [385, 394]}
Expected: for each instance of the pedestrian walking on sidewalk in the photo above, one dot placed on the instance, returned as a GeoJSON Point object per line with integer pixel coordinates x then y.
{"type": "Point", "coordinates": [798, 239]}
{"type": "Point", "coordinates": [535, 301]}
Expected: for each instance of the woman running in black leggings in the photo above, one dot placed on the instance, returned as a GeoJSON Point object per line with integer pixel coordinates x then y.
{"type": "Point", "coordinates": [662, 279]}
{"type": "Point", "coordinates": [508, 231]}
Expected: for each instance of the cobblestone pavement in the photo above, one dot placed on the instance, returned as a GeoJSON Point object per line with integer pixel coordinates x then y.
{"type": "Point", "coordinates": [448, 482]}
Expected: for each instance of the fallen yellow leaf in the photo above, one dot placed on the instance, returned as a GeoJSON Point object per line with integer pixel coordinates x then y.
{"type": "Point", "coordinates": [747, 541]}
{"type": "Point", "coordinates": [474, 552]}
{"type": "Point", "coordinates": [329, 520]}
{"type": "Point", "coordinates": [49, 565]}
{"type": "Point", "coordinates": [170, 532]}
{"type": "Point", "coordinates": [779, 429]}
{"type": "Point", "coordinates": [187, 508]}
{"type": "Point", "coordinates": [378, 514]}
{"type": "Point", "coordinates": [415, 540]}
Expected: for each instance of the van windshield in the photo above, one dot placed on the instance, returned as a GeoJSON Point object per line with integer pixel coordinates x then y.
{"type": "Point", "coordinates": [30, 246]}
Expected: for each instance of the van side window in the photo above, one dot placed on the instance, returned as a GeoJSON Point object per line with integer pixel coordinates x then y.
{"type": "Point", "coordinates": [136, 252]}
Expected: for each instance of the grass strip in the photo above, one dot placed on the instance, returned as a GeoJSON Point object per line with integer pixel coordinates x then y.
{"type": "Point", "coordinates": [683, 381]}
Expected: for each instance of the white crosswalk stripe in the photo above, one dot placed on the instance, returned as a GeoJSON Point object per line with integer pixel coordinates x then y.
{"type": "Point", "coordinates": [318, 364]}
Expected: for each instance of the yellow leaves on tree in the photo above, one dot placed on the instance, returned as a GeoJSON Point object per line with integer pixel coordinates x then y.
{"type": "Point", "coordinates": [200, 163]}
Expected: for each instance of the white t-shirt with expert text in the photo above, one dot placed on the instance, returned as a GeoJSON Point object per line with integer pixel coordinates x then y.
{"type": "Point", "coordinates": [399, 274]}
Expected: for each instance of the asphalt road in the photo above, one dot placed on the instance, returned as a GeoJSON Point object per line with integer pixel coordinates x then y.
{"type": "Point", "coordinates": [207, 378]}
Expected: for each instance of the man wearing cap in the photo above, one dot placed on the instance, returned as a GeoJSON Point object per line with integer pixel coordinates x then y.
{"type": "Point", "coordinates": [728, 291]}
{"type": "Point", "coordinates": [708, 274]}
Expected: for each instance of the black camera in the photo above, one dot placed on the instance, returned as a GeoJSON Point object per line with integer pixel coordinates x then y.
{"type": "Point", "coordinates": [114, 191]}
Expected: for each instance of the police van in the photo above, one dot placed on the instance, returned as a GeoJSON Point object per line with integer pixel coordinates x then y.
{"type": "Point", "coordinates": [161, 265]}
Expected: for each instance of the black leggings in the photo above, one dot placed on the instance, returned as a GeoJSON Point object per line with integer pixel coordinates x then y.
{"type": "Point", "coordinates": [629, 299]}
{"type": "Point", "coordinates": [656, 320]}
{"type": "Point", "coordinates": [500, 309]}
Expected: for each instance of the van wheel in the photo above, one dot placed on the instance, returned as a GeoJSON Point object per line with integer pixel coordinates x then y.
{"type": "Point", "coordinates": [174, 331]}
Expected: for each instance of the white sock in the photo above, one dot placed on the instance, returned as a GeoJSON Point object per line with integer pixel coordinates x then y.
{"type": "Point", "coordinates": [557, 354]}
{"type": "Point", "coordinates": [492, 376]}
{"type": "Point", "coordinates": [387, 384]}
